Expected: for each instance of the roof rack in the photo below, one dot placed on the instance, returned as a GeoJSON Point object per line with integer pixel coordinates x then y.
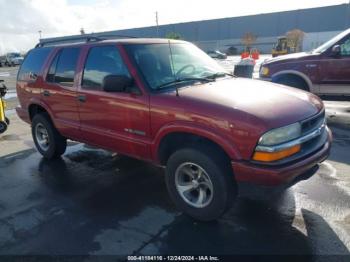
{"type": "Point", "coordinates": [80, 39]}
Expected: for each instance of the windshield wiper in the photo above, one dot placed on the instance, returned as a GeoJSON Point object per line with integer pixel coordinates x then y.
{"type": "Point", "coordinates": [182, 80]}
{"type": "Point", "coordinates": [220, 74]}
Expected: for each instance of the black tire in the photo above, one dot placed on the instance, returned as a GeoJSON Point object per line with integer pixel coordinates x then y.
{"type": "Point", "coordinates": [57, 143]}
{"type": "Point", "coordinates": [218, 170]}
{"type": "Point", "coordinates": [3, 127]}
{"type": "Point", "coordinates": [295, 82]}
{"type": "Point", "coordinates": [7, 121]}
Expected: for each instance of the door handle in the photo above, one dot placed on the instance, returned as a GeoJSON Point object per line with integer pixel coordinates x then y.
{"type": "Point", "coordinates": [46, 93]}
{"type": "Point", "coordinates": [81, 98]}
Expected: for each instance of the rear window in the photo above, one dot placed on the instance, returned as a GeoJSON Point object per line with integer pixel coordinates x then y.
{"type": "Point", "coordinates": [32, 64]}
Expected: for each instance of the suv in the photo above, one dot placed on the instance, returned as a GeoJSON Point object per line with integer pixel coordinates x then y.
{"type": "Point", "coordinates": [323, 71]}
{"type": "Point", "coordinates": [13, 59]}
{"type": "Point", "coordinates": [167, 102]}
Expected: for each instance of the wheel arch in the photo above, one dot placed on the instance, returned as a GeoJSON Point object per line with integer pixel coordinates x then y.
{"type": "Point", "coordinates": [36, 106]}
{"type": "Point", "coordinates": [171, 139]}
{"type": "Point", "coordinates": [294, 73]}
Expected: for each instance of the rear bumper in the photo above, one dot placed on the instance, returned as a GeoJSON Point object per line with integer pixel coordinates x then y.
{"type": "Point", "coordinates": [276, 175]}
{"type": "Point", "coordinates": [23, 114]}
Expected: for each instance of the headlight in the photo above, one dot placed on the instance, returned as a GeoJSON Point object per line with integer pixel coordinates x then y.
{"type": "Point", "coordinates": [264, 71]}
{"type": "Point", "coordinates": [275, 137]}
{"type": "Point", "coordinates": [281, 135]}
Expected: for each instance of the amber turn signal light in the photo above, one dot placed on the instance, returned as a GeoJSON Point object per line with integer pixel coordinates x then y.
{"type": "Point", "coordinates": [273, 156]}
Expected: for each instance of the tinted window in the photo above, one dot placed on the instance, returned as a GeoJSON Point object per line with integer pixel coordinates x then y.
{"type": "Point", "coordinates": [102, 61]}
{"type": "Point", "coordinates": [66, 65]}
{"type": "Point", "coordinates": [33, 63]}
{"type": "Point", "coordinates": [51, 74]}
{"type": "Point", "coordinates": [345, 48]}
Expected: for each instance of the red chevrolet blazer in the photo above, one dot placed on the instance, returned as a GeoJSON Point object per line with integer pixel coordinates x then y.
{"type": "Point", "coordinates": [167, 102]}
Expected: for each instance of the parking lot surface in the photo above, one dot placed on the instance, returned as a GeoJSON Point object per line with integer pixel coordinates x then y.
{"type": "Point", "coordinates": [100, 203]}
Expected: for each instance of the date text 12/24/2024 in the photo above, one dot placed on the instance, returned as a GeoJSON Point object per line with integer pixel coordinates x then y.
{"type": "Point", "coordinates": [173, 258]}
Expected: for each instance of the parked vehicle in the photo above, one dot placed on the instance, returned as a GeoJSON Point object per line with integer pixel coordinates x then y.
{"type": "Point", "coordinates": [217, 54]}
{"type": "Point", "coordinates": [167, 102]}
{"type": "Point", "coordinates": [281, 47]}
{"type": "Point", "coordinates": [323, 71]}
{"type": "Point", "coordinates": [232, 50]}
{"type": "Point", "coordinates": [2, 60]}
{"type": "Point", "coordinates": [13, 59]}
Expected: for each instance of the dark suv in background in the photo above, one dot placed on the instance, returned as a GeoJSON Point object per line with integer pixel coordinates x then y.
{"type": "Point", "coordinates": [323, 71]}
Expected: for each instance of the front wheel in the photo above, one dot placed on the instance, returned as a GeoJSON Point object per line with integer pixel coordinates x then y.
{"type": "Point", "coordinates": [201, 184]}
{"type": "Point", "coordinates": [48, 141]}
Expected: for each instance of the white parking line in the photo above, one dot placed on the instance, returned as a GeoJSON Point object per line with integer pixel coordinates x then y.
{"type": "Point", "coordinates": [4, 74]}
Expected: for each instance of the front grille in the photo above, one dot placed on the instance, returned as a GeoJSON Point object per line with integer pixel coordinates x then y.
{"type": "Point", "coordinates": [312, 123]}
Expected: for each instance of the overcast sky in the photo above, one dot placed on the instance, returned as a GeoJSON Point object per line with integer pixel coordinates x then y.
{"type": "Point", "coordinates": [22, 19]}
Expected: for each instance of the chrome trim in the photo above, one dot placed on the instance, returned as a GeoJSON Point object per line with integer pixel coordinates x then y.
{"type": "Point", "coordinates": [292, 143]}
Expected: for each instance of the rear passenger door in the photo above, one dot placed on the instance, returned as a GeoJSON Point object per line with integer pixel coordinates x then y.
{"type": "Point", "coordinates": [118, 121]}
{"type": "Point", "coordinates": [60, 91]}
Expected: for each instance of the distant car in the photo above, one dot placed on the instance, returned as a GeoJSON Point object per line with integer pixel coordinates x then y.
{"type": "Point", "coordinates": [217, 54]}
{"type": "Point", "coordinates": [13, 59]}
{"type": "Point", "coordinates": [232, 50]}
{"type": "Point", "coordinates": [323, 71]}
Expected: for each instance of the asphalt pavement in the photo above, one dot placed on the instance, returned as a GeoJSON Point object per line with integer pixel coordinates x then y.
{"type": "Point", "coordinates": [95, 202]}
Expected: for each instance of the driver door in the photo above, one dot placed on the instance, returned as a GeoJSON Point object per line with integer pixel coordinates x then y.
{"type": "Point", "coordinates": [118, 121]}
{"type": "Point", "coordinates": [335, 71]}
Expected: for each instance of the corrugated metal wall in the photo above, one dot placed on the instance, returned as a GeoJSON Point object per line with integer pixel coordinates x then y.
{"type": "Point", "coordinates": [220, 33]}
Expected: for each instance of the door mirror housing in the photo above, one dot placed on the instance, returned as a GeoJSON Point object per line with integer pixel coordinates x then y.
{"type": "Point", "coordinates": [336, 50]}
{"type": "Point", "coordinates": [116, 83]}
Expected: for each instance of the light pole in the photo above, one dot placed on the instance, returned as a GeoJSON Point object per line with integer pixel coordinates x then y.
{"type": "Point", "coordinates": [39, 34]}
{"type": "Point", "coordinates": [157, 23]}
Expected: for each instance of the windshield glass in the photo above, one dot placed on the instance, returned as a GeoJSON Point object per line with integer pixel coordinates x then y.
{"type": "Point", "coordinates": [161, 64]}
{"type": "Point", "coordinates": [331, 42]}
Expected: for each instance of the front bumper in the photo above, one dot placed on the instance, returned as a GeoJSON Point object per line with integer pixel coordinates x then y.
{"type": "Point", "coordinates": [278, 175]}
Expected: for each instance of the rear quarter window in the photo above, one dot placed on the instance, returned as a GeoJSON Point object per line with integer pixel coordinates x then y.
{"type": "Point", "coordinates": [32, 64]}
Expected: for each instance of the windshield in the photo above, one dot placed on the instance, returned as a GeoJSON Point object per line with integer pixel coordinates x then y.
{"type": "Point", "coordinates": [331, 42]}
{"type": "Point", "coordinates": [161, 64]}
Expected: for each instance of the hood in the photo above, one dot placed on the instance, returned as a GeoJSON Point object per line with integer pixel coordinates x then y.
{"type": "Point", "coordinates": [285, 58]}
{"type": "Point", "coordinates": [275, 105]}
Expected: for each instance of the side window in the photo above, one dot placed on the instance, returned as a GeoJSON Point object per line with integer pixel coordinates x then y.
{"type": "Point", "coordinates": [66, 64]}
{"type": "Point", "coordinates": [345, 48]}
{"type": "Point", "coordinates": [102, 61]}
{"type": "Point", "coordinates": [51, 74]}
{"type": "Point", "coordinates": [32, 64]}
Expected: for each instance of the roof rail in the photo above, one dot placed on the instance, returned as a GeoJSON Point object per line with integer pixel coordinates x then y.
{"type": "Point", "coordinates": [80, 39]}
{"type": "Point", "coordinates": [68, 40]}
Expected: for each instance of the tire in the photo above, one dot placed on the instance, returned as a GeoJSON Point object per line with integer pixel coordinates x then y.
{"type": "Point", "coordinates": [48, 141]}
{"type": "Point", "coordinates": [216, 168]}
{"type": "Point", "coordinates": [293, 82]}
{"type": "Point", "coordinates": [3, 127]}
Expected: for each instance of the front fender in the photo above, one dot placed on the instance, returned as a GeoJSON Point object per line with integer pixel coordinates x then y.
{"type": "Point", "coordinates": [198, 130]}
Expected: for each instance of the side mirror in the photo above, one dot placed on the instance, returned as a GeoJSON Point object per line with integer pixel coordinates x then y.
{"type": "Point", "coordinates": [116, 83]}
{"type": "Point", "coordinates": [336, 50]}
